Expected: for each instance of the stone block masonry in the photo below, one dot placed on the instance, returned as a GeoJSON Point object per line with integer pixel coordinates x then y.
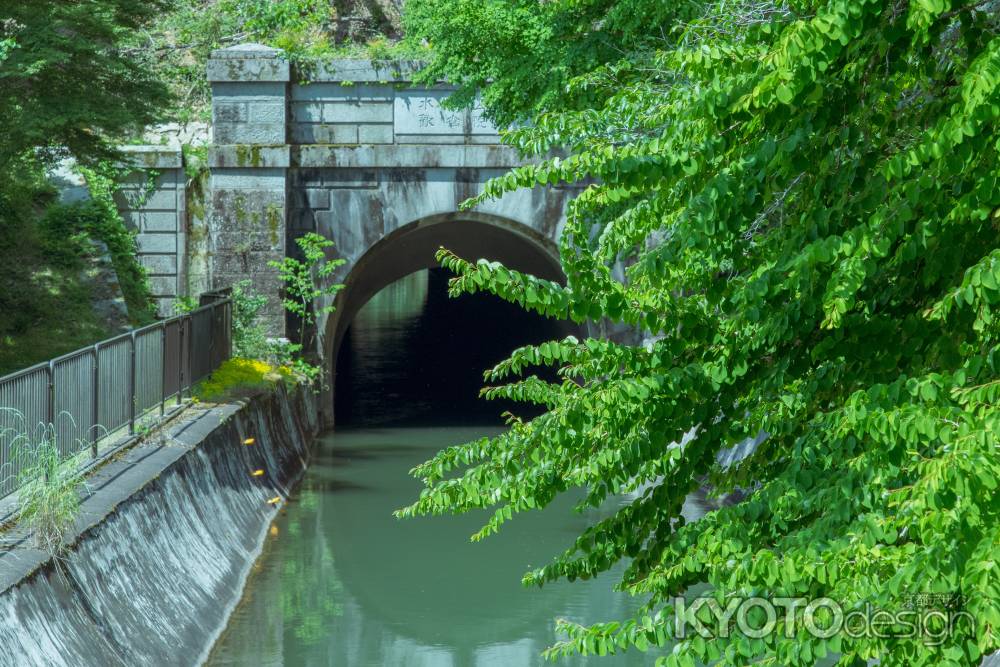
{"type": "Point", "coordinates": [348, 104]}
{"type": "Point", "coordinates": [350, 149]}
{"type": "Point", "coordinates": [264, 112]}
{"type": "Point", "coordinates": [152, 202]}
{"type": "Point", "coordinates": [249, 164]}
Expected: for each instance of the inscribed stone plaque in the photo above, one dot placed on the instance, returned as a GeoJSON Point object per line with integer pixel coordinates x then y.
{"type": "Point", "coordinates": [480, 123]}
{"type": "Point", "coordinates": [420, 112]}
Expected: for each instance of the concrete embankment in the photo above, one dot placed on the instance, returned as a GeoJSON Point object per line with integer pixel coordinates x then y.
{"type": "Point", "coordinates": [163, 545]}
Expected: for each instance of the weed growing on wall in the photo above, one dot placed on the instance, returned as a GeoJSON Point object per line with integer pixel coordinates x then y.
{"type": "Point", "coordinates": [309, 290]}
{"type": "Point", "coordinates": [249, 337]}
{"type": "Point", "coordinates": [49, 497]}
{"type": "Point", "coordinates": [250, 340]}
{"type": "Point", "coordinates": [184, 304]}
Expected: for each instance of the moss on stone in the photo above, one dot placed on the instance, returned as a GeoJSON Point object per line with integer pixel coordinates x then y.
{"type": "Point", "coordinates": [273, 216]}
{"type": "Point", "coordinates": [248, 156]}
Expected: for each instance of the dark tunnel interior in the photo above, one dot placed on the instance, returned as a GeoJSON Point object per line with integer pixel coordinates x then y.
{"type": "Point", "coordinates": [414, 355]}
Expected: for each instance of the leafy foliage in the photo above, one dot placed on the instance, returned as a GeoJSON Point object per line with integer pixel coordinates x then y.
{"type": "Point", "coordinates": [45, 294]}
{"type": "Point", "coordinates": [179, 43]}
{"type": "Point", "coordinates": [520, 55]}
{"type": "Point", "coordinates": [804, 200]}
{"type": "Point", "coordinates": [101, 220]}
{"type": "Point", "coordinates": [66, 87]}
{"type": "Point", "coordinates": [249, 337]}
{"type": "Point", "coordinates": [65, 83]}
{"type": "Point", "coordinates": [250, 340]}
{"type": "Point", "coordinates": [308, 294]}
{"type": "Point", "coordinates": [184, 304]}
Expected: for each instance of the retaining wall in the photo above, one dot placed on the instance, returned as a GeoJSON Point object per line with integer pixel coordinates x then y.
{"type": "Point", "coordinates": [165, 541]}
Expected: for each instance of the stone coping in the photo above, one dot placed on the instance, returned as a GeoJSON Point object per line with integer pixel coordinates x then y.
{"type": "Point", "coordinates": [248, 62]}
{"type": "Point", "coordinates": [422, 156]}
{"type": "Point", "coordinates": [256, 62]}
{"type": "Point", "coordinates": [366, 156]}
{"type": "Point", "coordinates": [152, 157]}
{"type": "Point", "coordinates": [243, 156]}
{"type": "Point", "coordinates": [362, 71]}
{"type": "Point", "coordinates": [249, 155]}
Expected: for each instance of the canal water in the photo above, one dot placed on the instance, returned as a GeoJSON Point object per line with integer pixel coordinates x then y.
{"type": "Point", "coordinates": [342, 582]}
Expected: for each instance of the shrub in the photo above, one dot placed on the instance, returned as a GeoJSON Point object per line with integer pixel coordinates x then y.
{"type": "Point", "coordinates": [45, 298]}
{"type": "Point", "coordinates": [308, 292]}
{"type": "Point", "coordinates": [241, 378]}
{"type": "Point", "coordinates": [249, 338]}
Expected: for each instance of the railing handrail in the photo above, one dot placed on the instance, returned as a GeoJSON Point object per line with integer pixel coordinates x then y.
{"type": "Point", "coordinates": [111, 385]}
{"type": "Point", "coordinates": [114, 339]}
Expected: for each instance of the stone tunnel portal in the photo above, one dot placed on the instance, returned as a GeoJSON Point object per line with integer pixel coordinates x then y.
{"type": "Point", "coordinates": [457, 338]}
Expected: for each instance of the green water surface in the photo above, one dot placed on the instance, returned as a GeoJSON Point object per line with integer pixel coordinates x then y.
{"type": "Point", "coordinates": [343, 582]}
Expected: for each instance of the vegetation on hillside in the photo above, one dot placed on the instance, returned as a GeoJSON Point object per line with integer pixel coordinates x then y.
{"type": "Point", "coordinates": [67, 88]}
{"type": "Point", "coordinates": [77, 80]}
{"type": "Point", "coordinates": [805, 197]}
{"type": "Point", "coordinates": [177, 45]}
{"type": "Point", "coordinates": [47, 254]}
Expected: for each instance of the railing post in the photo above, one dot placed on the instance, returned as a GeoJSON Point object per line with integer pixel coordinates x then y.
{"type": "Point", "coordinates": [131, 385]}
{"type": "Point", "coordinates": [229, 329]}
{"type": "Point", "coordinates": [95, 405]}
{"type": "Point", "coordinates": [163, 368]}
{"type": "Point", "coordinates": [217, 340]}
{"type": "Point", "coordinates": [50, 411]}
{"type": "Point", "coordinates": [216, 336]}
{"type": "Point", "coordinates": [180, 361]}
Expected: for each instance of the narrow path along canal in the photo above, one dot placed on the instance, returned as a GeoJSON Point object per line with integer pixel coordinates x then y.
{"type": "Point", "coordinates": [342, 582]}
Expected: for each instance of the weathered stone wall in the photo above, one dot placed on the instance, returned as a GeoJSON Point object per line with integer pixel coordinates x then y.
{"type": "Point", "coordinates": [348, 149]}
{"type": "Point", "coordinates": [249, 163]}
{"type": "Point", "coordinates": [359, 206]}
{"type": "Point", "coordinates": [359, 102]}
{"type": "Point", "coordinates": [152, 201]}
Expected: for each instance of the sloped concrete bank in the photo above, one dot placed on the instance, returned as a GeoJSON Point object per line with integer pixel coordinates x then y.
{"type": "Point", "coordinates": [164, 543]}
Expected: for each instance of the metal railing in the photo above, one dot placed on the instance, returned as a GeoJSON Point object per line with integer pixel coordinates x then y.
{"type": "Point", "coordinates": [95, 398]}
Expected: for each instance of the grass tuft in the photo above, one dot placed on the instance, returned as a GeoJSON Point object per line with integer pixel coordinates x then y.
{"type": "Point", "coordinates": [49, 497]}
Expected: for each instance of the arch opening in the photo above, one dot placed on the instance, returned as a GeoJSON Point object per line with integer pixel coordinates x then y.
{"type": "Point", "coordinates": [403, 351]}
